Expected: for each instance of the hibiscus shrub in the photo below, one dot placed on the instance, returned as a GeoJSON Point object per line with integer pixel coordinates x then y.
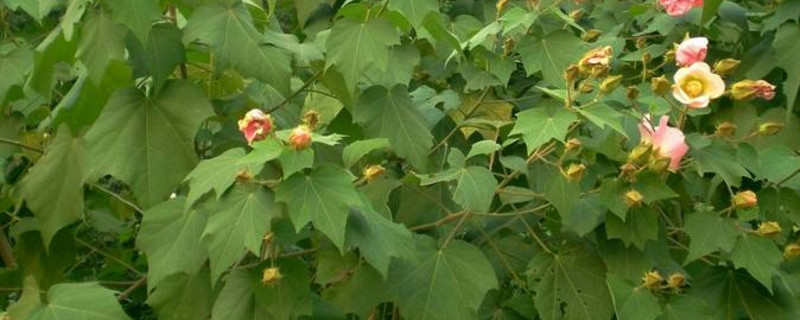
{"type": "Point", "coordinates": [400, 159]}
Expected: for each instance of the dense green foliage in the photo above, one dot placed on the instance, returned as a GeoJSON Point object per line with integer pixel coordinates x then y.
{"type": "Point", "coordinates": [467, 159]}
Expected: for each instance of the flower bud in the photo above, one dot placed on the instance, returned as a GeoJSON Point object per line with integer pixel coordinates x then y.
{"type": "Point", "coordinates": [669, 56]}
{"type": "Point", "coordinates": [647, 57]}
{"type": "Point", "coordinates": [745, 199]}
{"type": "Point", "coordinates": [271, 276]}
{"type": "Point", "coordinates": [676, 281]}
{"type": "Point", "coordinates": [641, 42]}
{"type": "Point", "coordinates": [652, 280]}
{"type": "Point", "coordinates": [769, 228]}
{"type": "Point", "coordinates": [373, 172]}
{"type": "Point", "coordinates": [749, 89]}
{"type": "Point", "coordinates": [573, 144]}
{"type": "Point", "coordinates": [571, 73]}
{"type": "Point", "coordinates": [659, 164]}
{"type": "Point", "coordinates": [591, 35]}
{"type": "Point", "coordinates": [725, 129]}
{"type": "Point", "coordinates": [255, 125]}
{"type": "Point", "coordinates": [576, 14]}
{"type": "Point", "coordinates": [791, 251]}
{"type": "Point", "coordinates": [244, 175]}
{"type": "Point", "coordinates": [311, 119]}
{"type": "Point", "coordinates": [508, 46]}
{"type": "Point", "coordinates": [575, 171]}
{"type": "Point", "coordinates": [770, 128]}
{"type": "Point", "coordinates": [640, 153]}
{"type": "Point", "coordinates": [632, 93]}
{"type": "Point", "coordinates": [300, 138]}
{"type": "Point", "coordinates": [610, 83]}
{"type": "Point", "coordinates": [596, 62]}
{"type": "Point", "coordinates": [633, 198]}
{"type": "Point", "coordinates": [586, 86]}
{"type": "Point", "coordinates": [501, 5]}
{"type": "Point", "coordinates": [726, 67]}
{"type": "Point", "coordinates": [660, 85]}
{"type": "Point", "coordinates": [628, 169]}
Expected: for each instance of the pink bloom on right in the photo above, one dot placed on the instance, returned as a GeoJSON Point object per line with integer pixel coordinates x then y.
{"type": "Point", "coordinates": [679, 7]}
{"type": "Point", "coordinates": [667, 141]}
{"type": "Point", "coordinates": [691, 50]}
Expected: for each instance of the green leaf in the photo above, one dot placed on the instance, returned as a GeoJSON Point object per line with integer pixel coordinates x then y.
{"type": "Point", "coordinates": [415, 11]}
{"type": "Point", "coordinates": [170, 237]}
{"type": "Point", "coordinates": [238, 223]}
{"type": "Point", "coordinates": [709, 232]}
{"type": "Point", "coordinates": [88, 301]}
{"type": "Point", "coordinates": [444, 283]}
{"type": "Point", "coordinates": [734, 295]}
{"type": "Point", "coordinates": [293, 161]}
{"type": "Point", "coordinates": [148, 142]}
{"type": "Point", "coordinates": [72, 16]}
{"type": "Point", "coordinates": [378, 238]}
{"type": "Point", "coordinates": [787, 48]}
{"type": "Point", "coordinates": [570, 285]}
{"type": "Point", "coordinates": [353, 152]}
{"type": "Point", "coordinates": [101, 41]}
{"type": "Point", "coordinates": [484, 147]}
{"type": "Point", "coordinates": [323, 197]}
{"type": "Point", "coordinates": [38, 9]}
{"type": "Point", "coordinates": [710, 9]}
{"type": "Point", "coordinates": [640, 226]}
{"type": "Point", "coordinates": [392, 115]}
{"type": "Point", "coordinates": [686, 307]}
{"type": "Point", "coordinates": [759, 256]}
{"type": "Point", "coordinates": [14, 66]}
{"type": "Point", "coordinates": [163, 52]}
{"type": "Point", "coordinates": [652, 187]}
{"type": "Point", "coordinates": [354, 46]}
{"type": "Point", "coordinates": [137, 15]}
{"type": "Point", "coordinates": [51, 51]}
{"type": "Point", "coordinates": [183, 297]}
{"type": "Point", "coordinates": [351, 297]}
{"type": "Point", "coordinates": [585, 215]}
{"type": "Point", "coordinates": [236, 43]}
{"type": "Point", "coordinates": [623, 261]}
{"type": "Point", "coordinates": [604, 116]}
{"type": "Point", "coordinates": [84, 102]}
{"type": "Point", "coordinates": [53, 189]}
{"type": "Point", "coordinates": [540, 125]}
{"type": "Point", "coordinates": [551, 55]}
{"type": "Point", "coordinates": [719, 158]}
{"type": "Point", "coordinates": [632, 302]}
{"type": "Point", "coordinates": [475, 189]}
{"type": "Point", "coordinates": [562, 193]}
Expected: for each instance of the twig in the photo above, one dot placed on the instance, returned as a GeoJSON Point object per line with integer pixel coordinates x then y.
{"type": "Point", "coordinates": [21, 145]}
{"type": "Point", "coordinates": [438, 223]}
{"type": "Point", "coordinates": [113, 258]}
{"type": "Point", "coordinates": [296, 93]}
{"type": "Point", "coordinates": [124, 295]}
{"type": "Point", "coordinates": [118, 197]}
{"type": "Point", "coordinates": [455, 230]}
{"type": "Point", "coordinates": [6, 252]}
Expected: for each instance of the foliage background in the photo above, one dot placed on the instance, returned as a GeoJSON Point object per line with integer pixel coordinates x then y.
{"type": "Point", "coordinates": [120, 155]}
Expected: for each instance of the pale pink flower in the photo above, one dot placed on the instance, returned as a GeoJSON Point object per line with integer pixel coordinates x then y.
{"type": "Point", "coordinates": [255, 125]}
{"type": "Point", "coordinates": [667, 142]}
{"type": "Point", "coordinates": [691, 50]}
{"type": "Point", "coordinates": [679, 7]}
{"type": "Point", "coordinates": [695, 85]}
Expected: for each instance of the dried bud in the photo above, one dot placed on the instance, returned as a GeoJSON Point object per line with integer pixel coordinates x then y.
{"type": "Point", "coordinates": [268, 238]}
{"type": "Point", "coordinates": [633, 93]}
{"type": "Point", "coordinates": [501, 5]}
{"type": "Point", "coordinates": [300, 138]}
{"type": "Point", "coordinates": [571, 73]}
{"type": "Point", "coordinates": [311, 119]}
{"type": "Point", "coordinates": [628, 169]}
{"type": "Point", "coordinates": [586, 86]}
{"type": "Point", "coordinates": [641, 42]}
{"type": "Point", "coordinates": [610, 83]}
{"type": "Point", "coordinates": [659, 164]}
{"type": "Point", "coordinates": [596, 62]}
{"type": "Point", "coordinates": [725, 129]}
{"type": "Point", "coordinates": [373, 172]}
{"type": "Point", "coordinates": [660, 85]}
{"type": "Point", "coordinates": [770, 128]}
{"type": "Point", "coordinates": [791, 251]}
{"type": "Point", "coordinates": [640, 153]}
{"type": "Point", "coordinates": [749, 89]}
{"type": "Point", "coordinates": [769, 228]}
{"type": "Point", "coordinates": [669, 56]}
{"type": "Point", "coordinates": [676, 281]}
{"type": "Point", "coordinates": [652, 280]}
{"type": "Point", "coordinates": [745, 199]}
{"type": "Point", "coordinates": [633, 198]}
{"type": "Point", "coordinates": [575, 171]}
{"type": "Point", "coordinates": [255, 125]}
{"type": "Point", "coordinates": [244, 175]}
{"type": "Point", "coordinates": [726, 67]}
{"type": "Point", "coordinates": [271, 276]}
{"type": "Point", "coordinates": [576, 14]}
{"type": "Point", "coordinates": [591, 35]}
{"type": "Point", "coordinates": [508, 46]}
{"type": "Point", "coordinates": [646, 57]}
{"type": "Point", "coordinates": [573, 144]}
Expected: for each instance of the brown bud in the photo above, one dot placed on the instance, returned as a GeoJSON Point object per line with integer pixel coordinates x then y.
{"type": "Point", "coordinates": [610, 83]}
{"type": "Point", "coordinates": [244, 175]}
{"type": "Point", "coordinates": [660, 85]}
{"type": "Point", "coordinates": [633, 198]}
{"type": "Point", "coordinates": [652, 280]}
{"type": "Point", "coordinates": [576, 14]}
{"type": "Point", "coordinates": [659, 164]}
{"type": "Point", "coordinates": [791, 251]}
{"type": "Point", "coordinates": [647, 57]}
{"type": "Point", "coordinates": [571, 73]}
{"type": "Point", "coordinates": [770, 128]}
{"type": "Point", "coordinates": [271, 276]}
{"type": "Point", "coordinates": [725, 129]}
{"type": "Point", "coordinates": [769, 228]}
{"type": "Point", "coordinates": [373, 172]}
{"type": "Point", "coordinates": [508, 46]}
{"type": "Point", "coordinates": [300, 137]}
{"type": "Point", "coordinates": [628, 169]}
{"type": "Point", "coordinates": [633, 93]}
{"type": "Point", "coordinates": [586, 86]}
{"type": "Point", "coordinates": [591, 35]}
{"type": "Point", "coordinates": [575, 171]}
{"type": "Point", "coordinates": [501, 5]}
{"type": "Point", "coordinates": [573, 144]}
{"type": "Point", "coordinates": [311, 119]}
{"type": "Point", "coordinates": [640, 153]}
{"type": "Point", "coordinates": [676, 281]}
{"type": "Point", "coordinates": [726, 67]}
{"type": "Point", "coordinates": [596, 62]}
{"type": "Point", "coordinates": [745, 199]}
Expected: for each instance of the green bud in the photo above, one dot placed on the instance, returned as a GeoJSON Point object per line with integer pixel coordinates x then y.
{"type": "Point", "coordinates": [610, 83]}
{"type": "Point", "coordinates": [770, 128]}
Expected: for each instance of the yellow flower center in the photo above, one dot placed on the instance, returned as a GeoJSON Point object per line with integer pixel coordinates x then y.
{"type": "Point", "coordinates": [693, 88]}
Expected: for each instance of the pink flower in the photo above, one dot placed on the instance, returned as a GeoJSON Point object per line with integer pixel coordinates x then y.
{"type": "Point", "coordinates": [696, 85]}
{"type": "Point", "coordinates": [749, 89]}
{"type": "Point", "coordinates": [255, 125]}
{"type": "Point", "coordinates": [679, 7]}
{"type": "Point", "coordinates": [691, 50]}
{"type": "Point", "coordinates": [667, 142]}
{"type": "Point", "coordinates": [300, 137]}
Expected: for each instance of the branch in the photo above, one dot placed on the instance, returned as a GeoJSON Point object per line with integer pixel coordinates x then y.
{"type": "Point", "coordinates": [296, 93]}
{"type": "Point", "coordinates": [124, 295]}
{"type": "Point", "coordinates": [21, 145]}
